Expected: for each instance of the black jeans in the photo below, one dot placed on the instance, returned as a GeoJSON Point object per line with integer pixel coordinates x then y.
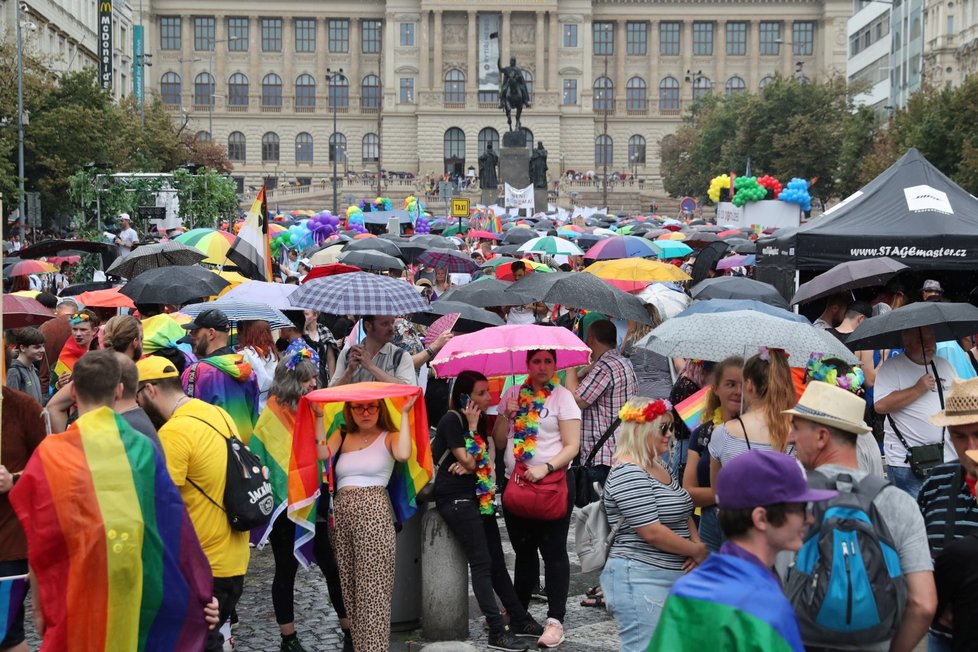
{"type": "Point", "coordinates": [282, 539]}
{"type": "Point", "coordinates": [479, 536]}
{"type": "Point", "coordinates": [596, 473]}
{"type": "Point", "coordinates": [227, 590]}
{"type": "Point", "coordinates": [550, 538]}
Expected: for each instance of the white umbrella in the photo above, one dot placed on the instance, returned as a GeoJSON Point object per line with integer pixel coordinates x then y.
{"type": "Point", "coordinates": [273, 295]}
{"type": "Point", "coordinates": [667, 301]}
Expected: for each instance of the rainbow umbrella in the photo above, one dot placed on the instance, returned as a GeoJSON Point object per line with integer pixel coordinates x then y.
{"type": "Point", "coordinates": [504, 271]}
{"type": "Point", "coordinates": [212, 242]}
{"type": "Point", "coordinates": [632, 274]}
{"type": "Point", "coordinates": [276, 229]}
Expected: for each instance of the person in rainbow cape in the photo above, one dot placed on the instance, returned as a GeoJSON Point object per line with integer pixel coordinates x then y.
{"type": "Point", "coordinates": [114, 558]}
{"type": "Point", "coordinates": [84, 328]}
{"type": "Point", "coordinates": [734, 600]}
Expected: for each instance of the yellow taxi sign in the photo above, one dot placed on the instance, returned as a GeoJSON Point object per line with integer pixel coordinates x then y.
{"type": "Point", "coordinates": [460, 208]}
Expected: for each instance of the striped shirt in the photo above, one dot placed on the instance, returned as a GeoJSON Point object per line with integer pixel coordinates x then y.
{"type": "Point", "coordinates": [725, 447]}
{"type": "Point", "coordinates": [933, 500]}
{"type": "Point", "coordinates": [605, 389]}
{"type": "Point", "coordinates": [632, 494]}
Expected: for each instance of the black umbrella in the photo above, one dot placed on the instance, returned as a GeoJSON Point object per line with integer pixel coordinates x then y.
{"type": "Point", "coordinates": [146, 257]}
{"type": "Point", "coordinates": [518, 235]}
{"type": "Point", "coordinates": [174, 285]}
{"type": "Point", "coordinates": [587, 240]}
{"type": "Point", "coordinates": [75, 290]}
{"type": "Point", "coordinates": [745, 248]}
{"type": "Point", "coordinates": [950, 321]}
{"type": "Point", "coordinates": [373, 244]}
{"type": "Point", "coordinates": [849, 276]}
{"type": "Point", "coordinates": [706, 261]}
{"type": "Point", "coordinates": [471, 318]}
{"type": "Point", "coordinates": [738, 287]}
{"type": "Point", "coordinates": [533, 287]}
{"type": "Point", "coordinates": [371, 260]}
{"type": "Point", "coordinates": [586, 291]}
{"type": "Point", "coordinates": [66, 248]}
{"type": "Point", "coordinates": [416, 245]}
{"type": "Point", "coordinates": [507, 250]}
{"type": "Point", "coordinates": [489, 292]}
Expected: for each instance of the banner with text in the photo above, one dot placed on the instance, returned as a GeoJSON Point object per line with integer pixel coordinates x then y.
{"type": "Point", "coordinates": [519, 197]}
{"type": "Point", "coordinates": [105, 44]}
{"type": "Point", "coordinates": [138, 68]}
{"type": "Point", "coordinates": [488, 52]}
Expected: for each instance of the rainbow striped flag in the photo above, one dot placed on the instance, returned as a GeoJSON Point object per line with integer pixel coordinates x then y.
{"type": "Point", "coordinates": [117, 560]}
{"type": "Point", "coordinates": [228, 382]}
{"type": "Point", "coordinates": [12, 592]}
{"type": "Point", "coordinates": [70, 353]}
{"type": "Point", "coordinates": [272, 443]}
{"type": "Point", "coordinates": [162, 332]}
{"type": "Point", "coordinates": [692, 409]}
{"type": "Point", "coordinates": [306, 472]}
{"type": "Point", "coordinates": [727, 603]}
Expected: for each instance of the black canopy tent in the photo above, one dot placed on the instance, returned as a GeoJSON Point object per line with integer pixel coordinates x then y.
{"type": "Point", "coordinates": [911, 212]}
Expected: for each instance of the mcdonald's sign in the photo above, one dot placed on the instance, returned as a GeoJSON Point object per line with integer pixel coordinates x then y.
{"type": "Point", "coordinates": [104, 32]}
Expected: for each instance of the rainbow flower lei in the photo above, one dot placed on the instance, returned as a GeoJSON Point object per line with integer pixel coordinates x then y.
{"type": "Point", "coordinates": [645, 414]}
{"type": "Point", "coordinates": [485, 490]}
{"type": "Point", "coordinates": [527, 421]}
{"type": "Point", "coordinates": [828, 373]}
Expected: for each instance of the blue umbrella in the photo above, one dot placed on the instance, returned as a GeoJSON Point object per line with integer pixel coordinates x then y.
{"type": "Point", "coordinates": [670, 248]}
{"type": "Point", "coordinates": [728, 305]}
{"type": "Point", "coordinates": [237, 310]}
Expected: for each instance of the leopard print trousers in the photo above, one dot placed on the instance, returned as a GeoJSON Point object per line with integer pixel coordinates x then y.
{"type": "Point", "coordinates": [364, 539]}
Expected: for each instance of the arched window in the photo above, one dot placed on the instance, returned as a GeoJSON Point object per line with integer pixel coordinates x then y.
{"type": "Point", "coordinates": [636, 94]}
{"type": "Point", "coordinates": [337, 148]}
{"type": "Point", "coordinates": [528, 77]}
{"type": "Point", "coordinates": [528, 137]}
{"type": "Point", "coordinates": [735, 85]}
{"type": "Point", "coordinates": [371, 148]}
{"type": "Point", "coordinates": [170, 89]}
{"type": "Point", "coordinates": [669, 94]}
{"type": "Point", "coordinates": [636, 150]}
{"type": "Point", "coordinates": [303, 148]}
{"type": "Point", "coordinates": [271, 90]}
{"type": "Point", "coordinates": [339, 92]}
{"type": "Point", "coordinates": [454, 87]}
{"type": "Point", "coordinates": [486, 136]}
{"type": "Point", "coordinates": [305, 92]}
{"type": "Point", "coordinates": [764, 82]}
{"type": "Point", "coordinates": [454, 151]}
{"type": "Point", "coordinates": [370, 92]}
{"type": "Point", "coordinates": [204, 89]}
{"type": "Point", "coordinates": [603, 150]}
{"type": "Point", "coordinates": [203, 137]}
{"type": "Point", "coordinates": [604, 94]}
{"type": "Point", "coordinates": [237, 146]}
{"type": "Point", "coordinates": [238, 90]}
{"type": "Point", "coordinates": [270, 147]}
{"type": "Point", "coordinates": [702, 86]}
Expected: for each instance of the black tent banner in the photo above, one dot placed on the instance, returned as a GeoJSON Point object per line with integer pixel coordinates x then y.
{"type": "Point", "coordinates": [911, 213]}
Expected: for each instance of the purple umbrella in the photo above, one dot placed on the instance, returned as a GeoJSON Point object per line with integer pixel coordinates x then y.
{"type": "Point", "coordinates": [737, 261]}
{"type": "Point", "coordinates": [621, 246]}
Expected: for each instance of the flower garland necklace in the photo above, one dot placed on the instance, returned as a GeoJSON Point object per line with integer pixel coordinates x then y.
{"type": "Point", "coordinates": [527, 421]}
{"type": "Point", "coordinates": [485, 490]}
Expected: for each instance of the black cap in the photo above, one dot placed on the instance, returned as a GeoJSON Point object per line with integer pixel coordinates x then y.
{"type": "Point", "coordinates": [212, 318]}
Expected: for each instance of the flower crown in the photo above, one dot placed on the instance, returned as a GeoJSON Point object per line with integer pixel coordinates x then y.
{"type": "Point", "coordinates": [297, 352]}
{"type": "Point", "coordinates": [817, 369]}
{"type": "Point", "coordinates": [645, 414]}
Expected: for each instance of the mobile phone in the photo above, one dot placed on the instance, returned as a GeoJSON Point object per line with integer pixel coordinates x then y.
{"type": "Point", "coordinates": [463, 400]}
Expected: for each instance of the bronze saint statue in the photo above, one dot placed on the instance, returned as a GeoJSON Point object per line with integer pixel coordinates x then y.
{"type": "Point", "coordinates": [513, 93]}
{"type": "Point", "coordinates": [538, 166]}
{"type": "Point", "coordinates": [488, 179]}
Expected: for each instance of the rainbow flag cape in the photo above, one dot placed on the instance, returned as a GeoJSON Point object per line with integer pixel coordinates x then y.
{"type": "Point", "coordinates": [163, 331]}
{"type": "Point", "coordinates": [272, 443]}
{"type": "Point", "coordinates": [70, 353]}
{"type": "Point", "coordinates": [692, 409]}
{"type": "Point", "coordinates": [117, 560]}
{"type": "Point", "coordinates": [727, 603]}
{"type": "Point", "coordinates": [228, 382]}
{"type": "Point", "coordinates": [306, 472]}
{"type": "Point", "coordinates": [12, 592]}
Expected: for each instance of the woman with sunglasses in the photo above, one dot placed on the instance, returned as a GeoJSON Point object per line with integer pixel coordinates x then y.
{"type": "Point", "coordinates": [656, 540]}
{"type": "Point", "coordinates": [364, 535]}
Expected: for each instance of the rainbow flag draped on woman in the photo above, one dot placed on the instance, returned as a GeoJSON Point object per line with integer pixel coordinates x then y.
{"type": "Point", "coordinates": [272, 443]}
{"type": "Point", "coordinates": [117, 560]}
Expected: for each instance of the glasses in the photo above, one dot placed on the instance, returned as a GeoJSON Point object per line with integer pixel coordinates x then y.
{"type": "Point", "coordinates": [667, 427]}
{"type": "Point", "coordinates": [365, 409]}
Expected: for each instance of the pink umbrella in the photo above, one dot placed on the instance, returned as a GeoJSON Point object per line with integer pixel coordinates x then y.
{"type": "Point", "coordinates": [501, 350]}
{"type": "Point", "coordinates": [483, 235]}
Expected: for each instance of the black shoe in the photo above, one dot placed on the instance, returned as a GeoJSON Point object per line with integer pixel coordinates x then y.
{"type": "Point", "coordinates": [347, 641]}
{"type": "Point", "coordinates": [528, 628]}
{"type": "Point", "coordinates": [539, 593]}
{"type": "Point", "coordinates": [505, 640]}
{"type": "Point", "coordinates": [291, 645]}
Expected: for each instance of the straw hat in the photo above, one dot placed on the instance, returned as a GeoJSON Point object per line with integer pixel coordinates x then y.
{"type": "Point", "coordinates": [961, 404]}
{"type": "Point", "coordinates": [832, 406]}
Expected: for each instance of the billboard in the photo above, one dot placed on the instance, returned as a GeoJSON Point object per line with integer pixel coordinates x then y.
{"type": "Point", "coordinates": [105, 44]}
{"type": "Point", "coordinates": [488, 52]}
{"type": "Point", "coordinates": [768, 214]}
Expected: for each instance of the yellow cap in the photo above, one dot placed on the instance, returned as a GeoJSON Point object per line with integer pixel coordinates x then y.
{"type": "Point", "coordinates": [155, 367]}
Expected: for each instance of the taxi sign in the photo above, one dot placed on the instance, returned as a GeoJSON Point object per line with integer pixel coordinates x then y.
{"type": "Point", "coordinates": [460, 208]}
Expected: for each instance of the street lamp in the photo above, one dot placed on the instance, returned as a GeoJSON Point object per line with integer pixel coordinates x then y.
{"type": "Point", "coordinates": [331, 77]}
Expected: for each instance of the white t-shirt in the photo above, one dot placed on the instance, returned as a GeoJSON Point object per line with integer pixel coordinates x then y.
{"type": "Point", "coordinates": [559, 406]}
{"type": "Point", "coordinates": [913, 421]}
{"type": "Point", "coordinates": [521, 315]}
{"type": "Point", "coordinates": [129, 237]}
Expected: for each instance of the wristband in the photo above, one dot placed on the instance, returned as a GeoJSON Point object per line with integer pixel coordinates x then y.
{"type": "Point", "coordinates": [430, 352]}
{"type": "Point", "coordinates": [550, 467]}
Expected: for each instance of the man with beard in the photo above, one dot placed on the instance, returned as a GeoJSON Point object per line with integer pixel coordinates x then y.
{"type": "Point", "coordinates": [193, 435]}
{"type": "Point", "coordinates": [221, 377]}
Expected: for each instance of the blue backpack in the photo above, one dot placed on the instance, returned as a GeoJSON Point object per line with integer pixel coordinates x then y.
{"type": "Point", "coordinates": [846, 584]}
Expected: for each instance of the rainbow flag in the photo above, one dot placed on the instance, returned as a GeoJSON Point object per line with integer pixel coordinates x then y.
{"type": "Point", "coordinates": [272, 443]}
{"type": "Point", "coordinates": [70, 353]}
{"type": "Point", "coordinates": [117, 560]}
{"type": "Point", "coordinates": [228, 382]}
{"type": "Point", "coordinates": [163, 331]}
{"type": "Point", "coordinates": [727, 603]}
{"type": "Point", "coordinates": [692, 409]}
{"type": "Point", "coordinates": [12, 592]}
{"type": "Point", "coordinates": [306, 472]}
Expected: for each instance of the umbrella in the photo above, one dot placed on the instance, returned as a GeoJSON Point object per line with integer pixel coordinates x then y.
{"type": "Point", "coordinates": [212, 242]}
{"type": "Point", "coordinates": [164, 254]}
{"type": "Point", "coordinates": [950, 321]}
{"type": "Point", "coordinates": [28, 267]}
{"type": "Point", "coordinates": [23, 311]}
{"type": "Point", "coordinates": [359, 293]}
{"type": "Point", "coordinates": [110, 298]}
{"type": "Point", "coordinates": [737, 261]}
{"type": "Point", "coordinates": [374, 244]}
{"type": "Point", "coordinates": [483, 235]}
{"type": "Point", "coordinates": [588, 292]}
{"type": "Point", "coordinates": [621, 246]}
{"type": "Point", "coordinates": [501, 350]}
{"type": "Point", "coordinates": [327, 255]}
{"type": "Point", "coordinates": [274, 295]}
{"type": "Point", "coordinates": [489, 292]}
{"type": "Point", "coordinates": [533, 287]}
{"type": "Point", "coordinates": [848, 276]}
{"type": "Point", "coordinates": [738, 287]}
{"type": "Point", "coordinates": [518, 235]}
{"type": "Point", "coordinates": [507, 250]}
{"type": "Point", "coordinates": [667, 300]}
{"type": "Point", "coordinates": [237, 310]}
{"type": "Point", "coordinates": [631, 274]}
{"type": "Point", "coordinates": [452, 260]}
{"type": "Point", "coordinates": [371, 260]}
{"type": "Point", "coordinates": [587, 240]}
{"type": "Point", "coordinates": [551, 245]}
{"type": "Point", "coordinates": [670, 248]}
{"type": "Point", "coordinates": [706, 260]}
{"type": "Point", "coordinates": [745, 248]}
{"type": "Point", "coordinates": [78, 288]}
{"type": "Point", "coordinates": [65, 248]}
{"type": "Point", "coordinates": [700, 239]}
{"type": "Point", "coordinates": [416, 245]}
{"type": "Point", "coordinates": [469, 318]}
{"type": "Point", "coordinates": [504, 272]}
{"type": "Point", "coordinates": [174, 285]}
{"type": "Point", "coordinates": [730, 305]}
{"type": "Point", "coordinates": [321, 271]}
{"type": "Point", "coordinates": [715, 336]}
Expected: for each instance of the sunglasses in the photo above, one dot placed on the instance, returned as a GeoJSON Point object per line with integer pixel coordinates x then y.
{"type": "Point", "coordinates": [365, 409]}
{"type": "Point", "coordinates": [667, 427]}
{"type": "Point", "coordinates": [79, 319]}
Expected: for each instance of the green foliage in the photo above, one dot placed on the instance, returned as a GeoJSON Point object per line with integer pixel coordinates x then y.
{"type": "Point", "coordinates": [206, 197]}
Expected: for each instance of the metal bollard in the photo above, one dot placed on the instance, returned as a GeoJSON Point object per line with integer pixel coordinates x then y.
{"type": "Point", "coordinates": [444, 581]}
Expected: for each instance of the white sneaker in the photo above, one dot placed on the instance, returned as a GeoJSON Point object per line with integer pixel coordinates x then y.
{"type": "Point", "coordinates": [553, 634]}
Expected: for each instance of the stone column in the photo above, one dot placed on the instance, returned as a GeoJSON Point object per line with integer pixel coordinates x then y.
{"type": "Point", "coordinates": [436, 68]}
{"type": "Point", "coordinates": [753, 45]}
{"type": "Point", "coordinates": [187, 57]}
{"type": "Point", "coordinates": [620, 52]}
{"type": "Point", "coordinates": [654, 75]}
{"type": "Point", "coordinates": [389, 85]}
{"type": "Point", "coordinates": [254, 61]}
{"type": "Point", "coordinates": [220, 58]}
{"type": "Point", "coordinates": [686, 49]}
{"type": "Point", "coordinates": [288, 72]}
{"type": "Point", "coordinates": [472, 67]}
{"type": "Point", "coordinates": [539, 76]}
{"type": "Point", "coordinates": [322, 63]}
{"type": "Point", "coordinates": [553, 75]}
{"type": "Point", "coordinates": [424, 50]}
{"type": "Point", "coordinates": [787, 56]}
{"type": "Point", "coordinates": [586, 37]}
{"type": "Point", "coordinates": [720, 54]}
{"type": "Point", "coordinates": [353, 74]}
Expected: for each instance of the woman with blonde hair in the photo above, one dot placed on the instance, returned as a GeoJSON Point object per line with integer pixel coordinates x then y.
{"type": "Point", "coordinates": [656, 540]}
{"type": "Point", "coordinates": [651, 369]}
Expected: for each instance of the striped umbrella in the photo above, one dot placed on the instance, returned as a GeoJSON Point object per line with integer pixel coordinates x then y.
{"type": "Point", "coordinates": [621, 246]}
{"type": "Point", "coordinates": [551, 245]}
{"type": "Point", "coordinates": [359, 293]}
{"type": "Point", "coordinates": [238, 310]}
{"type": "Point", "coordinates": [212, 242]}
{"type": "Point", "coordinates": [453, 260]}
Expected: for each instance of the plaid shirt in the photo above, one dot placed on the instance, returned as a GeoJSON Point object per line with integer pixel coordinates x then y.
{"type": "Point", "coordinates": [606, 389]}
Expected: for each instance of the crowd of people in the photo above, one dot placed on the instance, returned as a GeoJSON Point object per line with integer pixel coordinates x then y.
{"type": "Point", "coordinates": [719, 538]}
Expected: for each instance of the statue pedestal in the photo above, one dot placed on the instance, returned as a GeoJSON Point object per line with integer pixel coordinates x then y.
{"type": "Point", "coordinates": [540, 200]}
{"type": "Point", "coordinates": [514, 166]}
{"type": "Point", "coordinates": [489, 196]}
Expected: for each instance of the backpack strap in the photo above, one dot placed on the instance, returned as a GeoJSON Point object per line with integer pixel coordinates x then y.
{"type": "Point", "coordinates": [192, 382]}
{"type": "Point", "coordinates": [601, 441]}
{"type": "Point", "coordinates": [744, 428]}
{"type": "Point", "coordinates": [227, 439]}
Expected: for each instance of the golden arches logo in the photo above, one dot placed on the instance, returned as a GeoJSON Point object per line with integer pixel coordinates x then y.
{"type": "Point", "coordinates": [105, 7]}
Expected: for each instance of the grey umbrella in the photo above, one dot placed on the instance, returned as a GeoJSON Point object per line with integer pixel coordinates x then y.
{"type": "Point", "coordinates": [489, 292]}
{"type": "Point", "coordinates": [518, 235]}
{"type": "Point", "coordinates": [715, 336]}
{"type": "Point", "coordinates": [451, 259]}
{"type": "Point", "coordinates": [533, 287]}
{"type": "Point", "coordinates": [145, 257]}
{"type": "Point", "coordinates": [730, 305]}
{"type": "Point", "coordinates": [371, 260]}
{"type": "Point", "coordinates": [950, 321]}
{"type": "Point", "coordinates": [373, 244]}
{"type": "Point", "coordinates": [359, 293]}
{"type": "Point", "coordinates": [849, 276]}
{"type": "Point", "coordinates": [471, 318]}
{"type": "Point", "coordinates": [580, 290]}
{"type": "Point", "coordinates": [737, 287]}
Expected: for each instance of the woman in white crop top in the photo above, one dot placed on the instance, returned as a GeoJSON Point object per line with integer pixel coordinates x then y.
{"type": "Point", "coordinates": [364, 533]}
